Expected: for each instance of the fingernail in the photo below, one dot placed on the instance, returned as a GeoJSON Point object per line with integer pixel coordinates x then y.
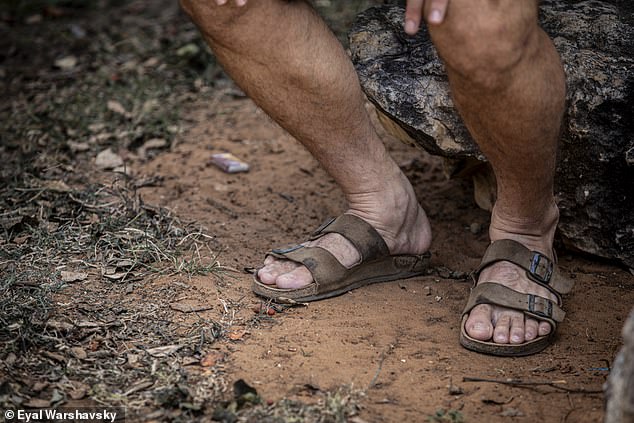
{"type": "Point", "coordinates": [435, 17]}
{"type": "Point", "coordinates": [410, 26]}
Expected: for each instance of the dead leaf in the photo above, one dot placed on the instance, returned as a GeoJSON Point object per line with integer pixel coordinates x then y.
{"type": "Point", "coordinates": [57, 325]}
{"type": "Point", "coordinates": [37, 403]}
{"type": "Point", "coordinates": [186, 308]}
{"type": "Point", "coordinates": [163, 351]}
{"type": "Point", "coordinates": [96, 127]}
{"type": "Point", "coordinates": [33, 19]}
{"type": "Point", "coordinates": [237, 334]}
{"type": "Point", "coordinates": [73, 276]}
{"type": "Point", "coordinates": [94, 344]}
{"type": "Point", "coordinates": [154, 143]}
{"type": "Point", "coordinates": [56, 186]}
{"type": "Point", "coordinates": [116, 276]}
{"type": "Point", "coordinates": [9, 222]}
{"type": "Point", "coordinates": [79, 391]}
{"type": "Point", "coordinates": [139, 386]}
{"type": "Point", "coordinates": [54, 356]}
{"type": "Point", "coordinates": [10, 359]}
{"type": "Point", "coordinates": [39, 386]}
{"type": "Point", "coordinates": [78, 147]}
{"type": "Point", "coordinates": [88, 324]}
{"type": "Point", "coordinates": [125, 264]}
{"type": "Point", "coordinates": [66, 63]}
{"type": "Point", "coordinates": [511, 412]}
{"type": "Point", "coordinates": [21, 239]}
{"type": "Point", "coordinates": [79, 352]}
{"type": "Point", "coordinates": [116, 107]}
{"type": "Point", "coordinates": [188, 50]}
{"type": "Point", "coordinates": [212, 358]}
{"type": "Point", "coordinates": [188, 361]}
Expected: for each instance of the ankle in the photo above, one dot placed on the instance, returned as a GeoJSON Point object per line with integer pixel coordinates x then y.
{"type": "Point", "coordinates": [396, 214]}
{"type": "Point", "coordinates": [536, 231]}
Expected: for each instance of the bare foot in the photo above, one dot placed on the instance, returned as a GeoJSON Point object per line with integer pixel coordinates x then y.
{"type": "Point", "coordinates": [502, 325]}
{"type": "Point", "coordinates": [394, 213]}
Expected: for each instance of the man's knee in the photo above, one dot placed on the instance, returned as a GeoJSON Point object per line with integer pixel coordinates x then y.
{"type": "Point", "coordinates": [211, 18]}
{"type": "Point", "coordinates": [484, 40]}
{"type": "Point", "coordinates": [235, 27]}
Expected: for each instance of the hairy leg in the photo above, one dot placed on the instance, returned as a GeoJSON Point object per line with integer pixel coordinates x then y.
{"type": "Point", "coordinates": [508, 85]}
{"type": "Point", "coordinates": [286, 59]}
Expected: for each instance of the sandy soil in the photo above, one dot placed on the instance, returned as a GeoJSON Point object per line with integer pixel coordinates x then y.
{"type": "Point", "coordinates": [397, 342]}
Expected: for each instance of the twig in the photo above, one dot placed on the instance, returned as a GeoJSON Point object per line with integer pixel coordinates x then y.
{"type": "Point", "coordinates": [517, 382]}
{"type": "Point", "coordinates": [378, 370]}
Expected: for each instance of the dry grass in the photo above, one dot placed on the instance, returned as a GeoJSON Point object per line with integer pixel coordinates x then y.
{"type": "Point", "coordinates": [81, 317]}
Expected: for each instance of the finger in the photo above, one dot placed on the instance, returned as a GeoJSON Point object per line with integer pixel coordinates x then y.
{"type": "Point", "coordinates": [413, 14]}
{"type": "Point", "coordinates": [436, 11]}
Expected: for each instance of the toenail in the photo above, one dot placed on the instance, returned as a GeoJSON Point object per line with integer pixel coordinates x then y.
{"type": "Point", "coordinates": [480, 327]}
{"type": "Point", "coordinates": [500, 339]}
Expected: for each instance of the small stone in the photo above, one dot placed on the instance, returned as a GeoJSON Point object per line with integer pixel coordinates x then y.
{"type": "Point", "coordinates": [108, 159]}
{"type": "Point", "coordinates": [475, 228]}
{"type": "Point", "coordinates": [66, 63]}
{"type": "Point", "coordinates": [427, 290]}
{"type": "Point", "coordinates": [73, 276]}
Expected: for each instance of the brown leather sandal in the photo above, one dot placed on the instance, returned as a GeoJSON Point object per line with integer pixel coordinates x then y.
{"type": "Point", "coordinates": [541, 270]}
{"type": "Point", "coordinates": [331, 278]}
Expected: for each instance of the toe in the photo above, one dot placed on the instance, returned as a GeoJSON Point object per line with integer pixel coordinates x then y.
{"type": "Point", "coordinates": [517, 332]}
{"type": "Point", "coordinates": [544, 328]}
{"type": "Point", "coordinates": [273, 268]}
{"type": "Point", "coordinates": [294, 279]}
{"type": "Point", "coordinates": [478, 325]}
{"type": "Point", "coordinates": [502, 329]}
{"type": "Point", "coordinates": [267, 275]}
{"type": "Point", "coordinates": [531, 328]}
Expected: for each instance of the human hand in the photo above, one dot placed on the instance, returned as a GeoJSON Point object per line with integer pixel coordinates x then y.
{"type": "Point", "coordinates": [434, 11]}
{"type": "Point", "coordinates": [239, 3]}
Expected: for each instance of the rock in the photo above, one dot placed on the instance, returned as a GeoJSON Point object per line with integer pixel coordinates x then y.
{"type": "Point", "coordinates": [405, 79]}
{"type": "Point", "coordinates": [619, 388]}
{"type": "Point", "coordinates": [108, 159]}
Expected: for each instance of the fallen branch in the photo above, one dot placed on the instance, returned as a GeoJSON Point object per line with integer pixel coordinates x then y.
{"type": "Point", "coordinates": [557, 384]}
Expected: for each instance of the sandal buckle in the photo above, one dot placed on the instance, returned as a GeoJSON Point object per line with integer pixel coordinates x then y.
{"type": "Point", "coordinates": [541, 268]}
{"type": "Point", "coordinates": [540, 306]}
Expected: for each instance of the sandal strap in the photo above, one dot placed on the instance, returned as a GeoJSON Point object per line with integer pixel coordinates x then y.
{"type": "Point", "coordinates": [361, 234]}
{"type": "Point", "coordinates": [539, 268]}
{"type": "Point", "coordinates": [533, 305]}
{"type": "Point", "coordinates": [323, 266]}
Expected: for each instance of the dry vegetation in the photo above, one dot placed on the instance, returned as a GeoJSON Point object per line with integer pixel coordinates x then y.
{"type": "Point", "coordinates": [79, 78]}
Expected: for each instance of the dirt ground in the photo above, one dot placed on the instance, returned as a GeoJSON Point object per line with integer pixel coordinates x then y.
{"type": "Point", "coordinates": [384, 353]}
{"type": "Point", "coordinates": [397, 342]}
